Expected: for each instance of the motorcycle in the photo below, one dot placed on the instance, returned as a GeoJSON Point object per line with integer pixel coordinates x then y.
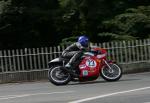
{"type": "Point", "coordinates": [92, 65]}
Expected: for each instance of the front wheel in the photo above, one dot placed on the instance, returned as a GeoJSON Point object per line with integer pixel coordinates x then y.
{"type": "Point", "coordinates": [57, 76]}
{"type": "Point", "coordinates": [113, 74]}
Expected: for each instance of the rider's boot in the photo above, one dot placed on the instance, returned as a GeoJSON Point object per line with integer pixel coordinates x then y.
{"type": "Point", "coordinates": [69, 68]}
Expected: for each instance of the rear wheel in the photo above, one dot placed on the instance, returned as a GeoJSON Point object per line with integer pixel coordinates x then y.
{"type": "Point", "coordinates": [57, 76]}
{"type": "Point", "coordinates": [113, 74]}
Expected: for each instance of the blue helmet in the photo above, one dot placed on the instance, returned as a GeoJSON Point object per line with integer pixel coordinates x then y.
{"type": "Point", "coordinates": [83, 40]}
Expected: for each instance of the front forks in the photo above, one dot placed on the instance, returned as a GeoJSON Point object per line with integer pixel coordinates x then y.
{"type": "Point", "coordinates": [110, 69]}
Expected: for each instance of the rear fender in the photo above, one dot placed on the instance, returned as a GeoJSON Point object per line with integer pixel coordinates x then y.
{"type": "Point", "coordinates": [55, 61]}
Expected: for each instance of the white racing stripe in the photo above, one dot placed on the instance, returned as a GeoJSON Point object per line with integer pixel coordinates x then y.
{"type": "Point", "coordinates": [107, 95]}
{"type": "Point", "coordinates": [25, 95]}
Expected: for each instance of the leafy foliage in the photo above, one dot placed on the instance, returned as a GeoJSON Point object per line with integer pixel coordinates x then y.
{"type": "Point", "coordinates": [35, 23]}
{"type": "Point", "coordinates": [134, 22]}
{"type": "Point", "coordinates": [105, 36]}
{"type": "Point", "coordinates": [68, 41]}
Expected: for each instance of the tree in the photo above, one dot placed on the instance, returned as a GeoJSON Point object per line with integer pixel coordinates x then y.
{"type": "Point", "coordinates": [31, 23]}
{"type": "Point", "coordinates": [134, 23]}
{"type": "Point", "coordinates": [86, 16]}
{"type": "Point", "coordinates": [36, 23]}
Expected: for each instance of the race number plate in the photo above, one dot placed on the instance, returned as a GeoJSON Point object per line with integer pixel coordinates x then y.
{"type": "Point", "coordinates": [91, 63]}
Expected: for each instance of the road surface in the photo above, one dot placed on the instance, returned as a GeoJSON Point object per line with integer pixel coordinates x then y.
{"type": "Point", "coordinates": [132, 88]}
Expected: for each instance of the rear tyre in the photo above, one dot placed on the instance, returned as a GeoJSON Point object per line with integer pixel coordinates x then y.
{"type": "Point", "coordinates": [111, 75]}
{"type": "Point", "coordinates": [57, 76]}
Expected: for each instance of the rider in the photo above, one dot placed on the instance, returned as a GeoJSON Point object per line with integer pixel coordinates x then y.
{"type": "Point", "coordinates": [75, 51]}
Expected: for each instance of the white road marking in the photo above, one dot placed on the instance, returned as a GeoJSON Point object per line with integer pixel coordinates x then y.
{"type": "Point", "coordinates": [25, 95]}
{"type": "Point", "coordinates": [107, 95]}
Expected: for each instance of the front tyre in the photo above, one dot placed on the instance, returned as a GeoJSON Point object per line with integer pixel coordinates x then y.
{"type": "Point", "coordinates": [57, 76]}
{"type": "Point", "coordinates": [113, 74]}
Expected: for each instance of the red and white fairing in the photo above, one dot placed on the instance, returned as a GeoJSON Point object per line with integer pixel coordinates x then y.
{"type": "Point", "coordinates": [90, 65]}
{"type": "Point", "coordinates": [89, 68]}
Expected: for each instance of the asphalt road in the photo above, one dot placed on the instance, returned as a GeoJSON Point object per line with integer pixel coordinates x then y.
{"type": "Point", "coordinates": [132, 88]}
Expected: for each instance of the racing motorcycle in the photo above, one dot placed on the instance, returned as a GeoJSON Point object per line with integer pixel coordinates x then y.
{"type": "Point", "coordinates": [91, 65]}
